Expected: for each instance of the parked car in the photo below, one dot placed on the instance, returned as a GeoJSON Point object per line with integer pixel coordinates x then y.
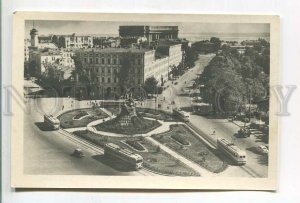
{"type": "Point", "coordinates": [78, 153]}
{"type": "Point", "coordinates": [243, 133]}
{"type": "Point", "coordinates": [262, 149]}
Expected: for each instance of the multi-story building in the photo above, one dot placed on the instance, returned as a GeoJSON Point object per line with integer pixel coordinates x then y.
{"type": "Point", "coordinates": [104, 66]}
{"type": "Point", "coordinates": [73, 41]}
{"type": "Point", "coordinates": [26, 50]}
{"type": "Point", "coordinates": [60, 57]}
{"type": "Point", "coordinates": [152, 33]}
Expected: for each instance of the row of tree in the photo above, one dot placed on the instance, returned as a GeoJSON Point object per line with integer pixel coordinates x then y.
{"type": "Point", "coordinates": [231, 80]}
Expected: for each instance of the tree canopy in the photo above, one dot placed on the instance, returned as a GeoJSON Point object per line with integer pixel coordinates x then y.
{"type": "Point", "coordinates": [150, 85]}
{"type": "Point", "coordinates": [231, 79]}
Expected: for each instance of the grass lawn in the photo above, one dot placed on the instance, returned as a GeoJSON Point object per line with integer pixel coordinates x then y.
{"type": "Point", "coordinates": [139, 125]}
{"type": "Point", "coordinates": [115, 110]}
{"type": "Point", "coordinates": [67, 121]}
{"type": "Point", "coordinates": [156, 114]}
{"type": "Point", "coordinates": [155, 159]}
{"type": "Point", "coordinates": [196, 151]}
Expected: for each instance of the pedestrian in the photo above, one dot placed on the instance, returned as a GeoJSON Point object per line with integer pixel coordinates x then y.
{"type": "Point", "coordinates": [214, 132]}
{"type": "Point", "coordinates": [62, 107]}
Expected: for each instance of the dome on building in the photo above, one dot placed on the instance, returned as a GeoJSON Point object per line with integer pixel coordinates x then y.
{"type": "Point", "coordinates": [33, 31]}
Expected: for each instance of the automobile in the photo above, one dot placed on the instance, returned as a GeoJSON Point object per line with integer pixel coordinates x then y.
{"type": "Point", "coordinates": [262, 149]}
{"type": "Point", "coordinates": [175, 83]}
{"type": "Point", "coordinates": [78, 153]}
{"type": "Point", "coordinates": [243, 133]}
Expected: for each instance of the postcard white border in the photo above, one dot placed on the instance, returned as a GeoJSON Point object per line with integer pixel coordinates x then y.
{"type": "Point", "coordinates": [20, 180]}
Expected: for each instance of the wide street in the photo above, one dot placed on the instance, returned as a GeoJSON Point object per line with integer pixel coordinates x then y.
{"type": "Point", "coordinates": [49, 152]}
{"type": "Point", "coordinates": [256, 164]}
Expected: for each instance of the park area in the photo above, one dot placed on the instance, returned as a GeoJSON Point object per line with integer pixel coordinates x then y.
{"type": "Point", "coordinates": [156, 114]}
{"type": "Point", "coordinates": [138, 125]}
{"type": "Point", "coordinates": [183, 141]}
{"type": "Point", "coordinates": [155, 159]}
{"type": "Point", "coordinates": [80, 117]}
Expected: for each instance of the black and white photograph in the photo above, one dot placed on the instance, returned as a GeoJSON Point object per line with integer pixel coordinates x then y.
{"type": "Point", "coordinates": [113, 100]}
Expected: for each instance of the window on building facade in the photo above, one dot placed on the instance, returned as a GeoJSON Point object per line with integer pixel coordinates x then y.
{"type": "Point", "coordinates": [139, 81]}
{"type": "Point", "coordinates": [139, 62]}
{"type": "Point", "coordinates": [97, 60]}
{"type": "Point", "coordinates": [108, 70]}
{"type": "Point", "coordinates": [108, 80]}
{"type": "Point", "coordinates": [103, 70]}
{"type": "Point", "coordinates": [85, 60]}
{"type": "Point", "coordinates": [91, 60]}
{"type": "Point", "coordinates": [115, 79]}
{"type": "Point", "coordinates": [102, 61]}
{"type": "Point", "coordinates": [108, 61]}
{"type": "Point", "coordinates": [103, 79]}
{"type": "Point", "coordinates": [114, 61]}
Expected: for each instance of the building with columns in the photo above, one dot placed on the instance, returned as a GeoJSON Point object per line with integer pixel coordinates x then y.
{"type": "Point", "coordinates": [152, 33]}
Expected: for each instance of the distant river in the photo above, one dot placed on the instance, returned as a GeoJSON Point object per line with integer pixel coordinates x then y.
{"type": "Point", "coordinates": [239, 37]}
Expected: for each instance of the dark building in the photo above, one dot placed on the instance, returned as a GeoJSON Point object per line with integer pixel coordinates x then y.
{"type": "Point", "coordinates": [152, 33]}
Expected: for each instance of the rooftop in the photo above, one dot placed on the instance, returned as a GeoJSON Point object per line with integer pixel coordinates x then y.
{"type": "Point", "coordinates": [116, 50]}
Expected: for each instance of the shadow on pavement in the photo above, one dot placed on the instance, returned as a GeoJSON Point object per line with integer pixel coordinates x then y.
{"type": "Point", "coordinates": [262, 158]}
{"type": "Point", "coordinates": [187, 108]}
{"type": "Point", "coordinates": [224, 158]}
{"type": "Point", "coordinates": [253, 150]}
{"type": "Point", "coordinates": [43, 126]}
{"type": "Point", "coordinates": [113, 163]}
{"type": "Point", "coordinates": [216, 116]}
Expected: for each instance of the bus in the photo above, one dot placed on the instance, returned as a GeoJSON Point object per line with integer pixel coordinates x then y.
{"type": "Point", "coordinates": [232, 151]}
{"type": "Point", "coordinates": [185, 116]}
{"type": "Point", "coordinates": [202, 108]}
{"type": "Point", "coordinates": [114, 151]}
{"type": "Point", "coordinates": [52, 121]}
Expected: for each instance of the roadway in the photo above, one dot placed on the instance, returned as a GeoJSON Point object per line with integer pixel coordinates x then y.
{"type": "Point", "coordinates": [257, 164]}
{"type": "Point", "coordinates": [50, 152]}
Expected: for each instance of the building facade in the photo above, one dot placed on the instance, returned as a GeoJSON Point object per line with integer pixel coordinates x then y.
{"type": "Point", "coordinates": [73, 41]}
{"type": "Point", "coordinates": [152, 33]}
{"type": "Point", "coordinates": [60, 57]}
{"type": "Point", "coordinates": [104, 65]}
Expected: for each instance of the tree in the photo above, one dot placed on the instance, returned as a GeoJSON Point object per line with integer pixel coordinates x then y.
{"type": "Point", "coordinates": [126, 71]}
{"type": "Point", "coordinates": [150, 85]}
{"type": "Point", "coordinates": [217, 43]}
{"type": "Point", "coordinates": [190, 57]}
{"type": "Point", "coordinates": [85, 77]}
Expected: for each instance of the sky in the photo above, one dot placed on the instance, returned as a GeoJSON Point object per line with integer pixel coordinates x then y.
{"type": "Point", "coordinates": [46, 27]}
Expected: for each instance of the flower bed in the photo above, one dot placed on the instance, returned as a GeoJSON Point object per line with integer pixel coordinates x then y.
{"type": "Point", "coordinates": [179, 138]}
{"type": "Point", "coordinates": [138, 126]}
{"type": "Point", "coordinates": [154, 158]}
{"type": "Point", "coordinates": [80, 115]}
{"type": "Point", "coordinates": [196, 151]}
{"type": "Point", "coordinates": [135, 144]}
